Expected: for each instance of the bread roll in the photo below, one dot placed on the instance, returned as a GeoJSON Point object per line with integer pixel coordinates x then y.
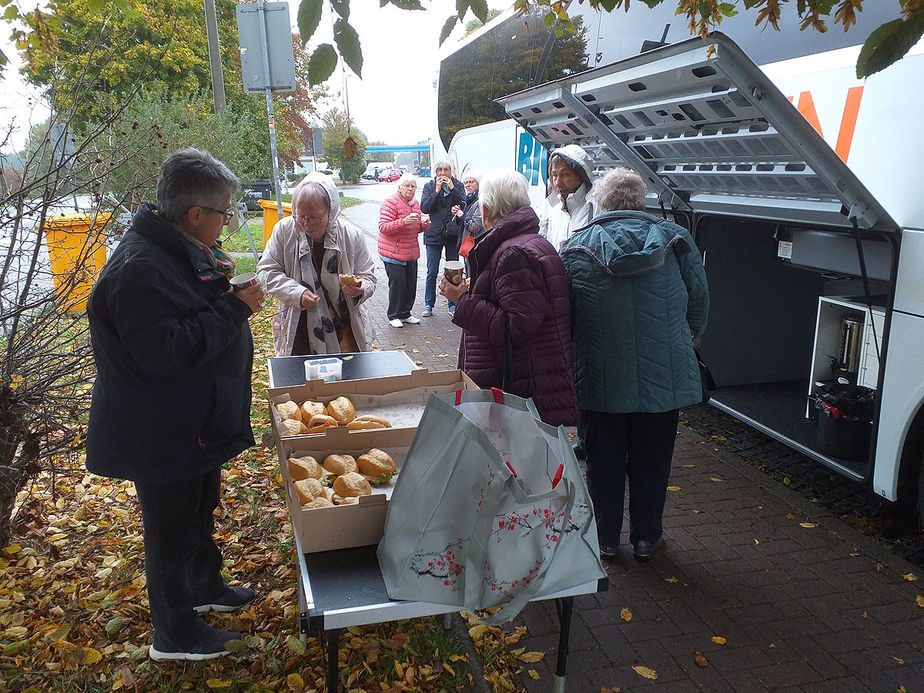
{"type": "Point", "coordinates": [309, 489]}
{"type": "Point", "coordinates": [318, 503]}
{"type": "Point", "coordinates": [340, 500]}
{"type": "Point", "coordinates": [292, 427]}
{"type": "Point", "coordinates": [342, 410]}
{"type": "Point", "coordinates": [340, 464]}
{"type": "Point", "coordinates": [304, 468]}
{"type": "Point", "coordinates": [352, 484]}
{"type": "Point", "coordinates": [321, 422]}
{"type": "Point", "coordinates": [349, 280]}
{"type": "Point", "coordinates": [310, 408]}
{"type": "Point", "coordinates": [367, 421]}
{"type": "Point", "coordinates": [375, 463]}
{"type": "Point", "coordinates": [289, 410]}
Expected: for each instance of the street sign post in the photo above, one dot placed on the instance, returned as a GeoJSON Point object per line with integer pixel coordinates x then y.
{"type": "Point", "coordinates": [267, 62]}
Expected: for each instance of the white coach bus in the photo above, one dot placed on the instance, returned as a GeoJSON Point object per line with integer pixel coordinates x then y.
{"type": "Point", "coordinates": [801, 185]}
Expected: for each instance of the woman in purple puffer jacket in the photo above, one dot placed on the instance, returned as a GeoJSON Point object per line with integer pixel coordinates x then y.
{"type": "Point", "coordinates": [518, 288]}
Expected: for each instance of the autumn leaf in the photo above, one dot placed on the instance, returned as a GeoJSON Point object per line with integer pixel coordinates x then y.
{"type": "Point", "coordinates": [531, 657]}
{"type": "Point", "coordinates": [808, 525]}
{"type": "Point", "coordinates": [92, 656]}
{"type": "Point", "coordinates": [700, 660]}
{"type": "Point", "coordinates": [626, 615]}
{"type": "Point", "coordinates": [533, 674]}
{"type": "Point", "coordinates": [295, 683]}
{"type": "Point", "coordinates": [296, 645]}
{"type": "Point", "coordinates": [719, 640]}
{"type": "Point", "coordinates": [919, 600]}
{"type": "Point", "coordinates": [645, 672]}
{"type": "Point", "coordinates": [909, 577]}
{"type": "Point", "coordinates": [717, 479]}
{"type": "Point", "coordinates": [673, 488]}
{"type": "Point", "coordinates": [218, 683]}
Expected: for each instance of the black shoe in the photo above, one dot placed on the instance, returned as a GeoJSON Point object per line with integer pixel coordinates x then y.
{"type": "Point", "coordinates": [608, 553]}
{"type": "Point", "coordinates": [579, 450]}
{"type": "Point", "coordinates": [645, 550]}
{"type": "Point", "coordinates": [209, 645]}
{"type": "Point", "coordinates": [233, 598]}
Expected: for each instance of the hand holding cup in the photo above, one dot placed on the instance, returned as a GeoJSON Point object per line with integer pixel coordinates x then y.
{"type": "Point", "coordinates": [248, 289]}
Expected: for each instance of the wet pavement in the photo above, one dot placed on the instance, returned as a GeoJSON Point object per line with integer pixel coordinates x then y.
{"type": "Point", "coordinates": [758, 588]}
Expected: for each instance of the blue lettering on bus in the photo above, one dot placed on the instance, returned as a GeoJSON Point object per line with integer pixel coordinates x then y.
{"type": "Point", "coordinates": [531, 159]}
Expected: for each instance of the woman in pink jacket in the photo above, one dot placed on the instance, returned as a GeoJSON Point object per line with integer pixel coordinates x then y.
{"type": "Point", "coordinates": [400, 221]}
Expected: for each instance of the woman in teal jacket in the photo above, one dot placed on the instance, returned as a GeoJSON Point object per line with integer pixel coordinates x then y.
{"type": "Point", "coordinates": [639, 300]}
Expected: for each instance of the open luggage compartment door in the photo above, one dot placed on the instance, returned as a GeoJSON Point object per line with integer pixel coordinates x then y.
{"type": "Point", "coordinates": [709, 133]}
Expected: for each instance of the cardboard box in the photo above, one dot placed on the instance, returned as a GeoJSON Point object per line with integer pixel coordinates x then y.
{"type": "Point", "coordinates": [400, 399]}
{"type": "Point", "coordinates": [342, 526]}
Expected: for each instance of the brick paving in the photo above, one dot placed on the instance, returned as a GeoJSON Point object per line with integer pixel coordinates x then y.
{"type": "Point", "coordinates": [804, 601]}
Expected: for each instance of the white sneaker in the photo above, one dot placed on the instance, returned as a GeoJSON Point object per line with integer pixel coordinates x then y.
{"type": "Point", "coordinates": [412, 320]}
{"type": "Point", "coordinates": [396, 323]}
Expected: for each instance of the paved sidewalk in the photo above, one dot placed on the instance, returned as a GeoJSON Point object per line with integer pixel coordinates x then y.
{"type": "Point", "coordinates": [803, 601]}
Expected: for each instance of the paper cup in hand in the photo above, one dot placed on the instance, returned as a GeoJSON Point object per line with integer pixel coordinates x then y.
{"type": "Point", "coordinates": [452, 270]}
{"type": "Point", "coordinates": [241, 281]}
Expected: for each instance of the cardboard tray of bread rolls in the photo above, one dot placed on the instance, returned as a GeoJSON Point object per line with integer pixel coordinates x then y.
{"type": "Point", "coordinates": [342, 526]}
{"type": "Point", "coordinates": [398, 401]}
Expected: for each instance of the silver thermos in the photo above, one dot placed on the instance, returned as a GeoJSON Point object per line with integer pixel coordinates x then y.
{"type": "Point", "coordinates": [849, 357]}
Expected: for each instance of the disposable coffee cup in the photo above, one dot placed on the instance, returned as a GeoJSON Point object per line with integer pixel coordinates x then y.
{"type": "Point", "coordinates": [241, 281]}
{"type": "Point", "coordinates": [452, 270]}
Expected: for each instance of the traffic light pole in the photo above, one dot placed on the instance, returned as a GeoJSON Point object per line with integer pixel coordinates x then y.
{"type": "Point", "coordinates": [269, 109]}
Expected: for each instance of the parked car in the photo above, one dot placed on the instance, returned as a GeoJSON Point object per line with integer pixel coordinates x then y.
{"type": "Point", "coordinates": [389, 175]}
{"type": "Point", "coordinates": [372, 171]}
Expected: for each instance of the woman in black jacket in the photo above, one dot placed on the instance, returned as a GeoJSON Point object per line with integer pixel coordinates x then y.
{"type": "Point", "coordinates": [171, 401]}
{"type": "Point", "coordinates": [438, 197]}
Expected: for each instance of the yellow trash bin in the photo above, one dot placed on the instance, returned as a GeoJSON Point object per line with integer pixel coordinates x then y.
{"type": "Point", "coordinates": [271, 216]}
{"type": "Point", "coordinates": [77, 251]}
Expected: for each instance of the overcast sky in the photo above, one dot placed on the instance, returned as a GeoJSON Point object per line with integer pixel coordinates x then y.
{"type": "Point", "coordinates": [394, 102]}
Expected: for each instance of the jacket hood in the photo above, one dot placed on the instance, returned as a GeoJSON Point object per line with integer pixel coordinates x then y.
{"type": "Point", "coordinates": [577, 159]}
{"type": "Point", "coordinates": [328, 183]}
{"type": "Point", "coordinates": [626, 243]}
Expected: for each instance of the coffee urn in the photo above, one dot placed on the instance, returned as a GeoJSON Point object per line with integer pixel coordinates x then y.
{"type": "Point", "coordinates": [848, 361]}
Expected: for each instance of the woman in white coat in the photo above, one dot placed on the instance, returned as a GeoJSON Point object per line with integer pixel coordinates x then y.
{"type": "Point", "coordinates": [301, 266]}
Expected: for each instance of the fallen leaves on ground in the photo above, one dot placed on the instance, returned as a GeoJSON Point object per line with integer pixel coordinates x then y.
{"type": "Point", "coordinates": [719, 640]}
{"type": "Point", "coordinates": [626, 615]}
{"type": "Point", "coordinates": [700, 660]}
{"type": "Point", "coordinates": [74, 611]}
{"type": "Point", "coordinates": [645, 672]}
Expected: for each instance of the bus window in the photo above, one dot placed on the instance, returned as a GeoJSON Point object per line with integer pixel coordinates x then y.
{"type": "Point", "coordinates": [501, 61]}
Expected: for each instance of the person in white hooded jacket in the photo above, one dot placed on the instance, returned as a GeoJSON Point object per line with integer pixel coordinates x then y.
{"type": "Point", "coordinates": [301, 266]}
{"type": "Point", "coordinates": [567, 208]}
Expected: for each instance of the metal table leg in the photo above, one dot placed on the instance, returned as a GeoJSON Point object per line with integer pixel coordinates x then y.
{"type": "Point", "coordinates": [333, 659]}
{"type": "Point", "coordinates": [565, 607]}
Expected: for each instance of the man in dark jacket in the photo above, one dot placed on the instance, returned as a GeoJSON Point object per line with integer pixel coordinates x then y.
{"type": "Point", "coordinates": [171, 402]}
{"type": "Point", "coordinates": [438, 197]}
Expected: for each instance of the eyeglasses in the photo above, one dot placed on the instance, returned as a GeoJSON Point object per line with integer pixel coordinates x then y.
{"type": "Point", "coordinates": [309, 220]}
{"type": "Point", "coordinates": [227, 213]}
{"type": "Point", "coordinates": [469, 182]}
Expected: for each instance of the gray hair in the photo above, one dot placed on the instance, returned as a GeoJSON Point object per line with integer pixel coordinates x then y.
{"type": "Point", "coordinates": [503, 192]}
{"type": "Point", "coordinates": [312, 190]}
{"type": "Point", "coordinates": [621, 188]}
{"type": "Point", "coordinates": [443, 162]}
{"type": "Point", "coordinates": [407, 178]}
{"type": "Point", "coordinates": [473, 174]}
{"type": "Point", "coordinates": [191, 177]}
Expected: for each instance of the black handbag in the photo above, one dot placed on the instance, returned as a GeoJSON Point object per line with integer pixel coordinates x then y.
{"type": "Point", "coordinates": [705, 377]}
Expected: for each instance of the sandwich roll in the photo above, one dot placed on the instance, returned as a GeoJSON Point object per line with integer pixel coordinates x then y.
{"type": "Point", "coordinates": [309, 489]}
{"type": "Point", "coordinates": [289, 410]}
{"type": "Point", "coordinates": [352, 484]}
{"type": "Point", "coordinates": [304, 468]}
{"type": "Point", "coordinates": [341, 409]}
{"type": "Point", "coordinates": [349, 500]}
{"type": "Point", "coordinates": [349, 280]}
{"type": "Point", "coordinates": [368, 421]}
{"type": "Point", "coordinates": [320, 423]}
{"type": "Point", "coordinates": [310, 408]}
{"type": "Point", "coordinates": [318, 503]}
{"type": "Point", "coordinates": [292, 427]}
{"type": "Point", "coordinates": [340, 464]}
{"type": "Point", "coordinates": [375, 463]}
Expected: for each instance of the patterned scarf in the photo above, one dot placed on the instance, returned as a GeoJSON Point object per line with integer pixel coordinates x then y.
{"type": "Point", "coordinates": [215, 257]}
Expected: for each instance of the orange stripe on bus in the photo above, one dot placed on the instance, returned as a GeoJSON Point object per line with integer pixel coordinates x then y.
{"type": "Point", "coordinates": [807, 109]}
{"type": "Point", "coordinates": [848, 122]}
